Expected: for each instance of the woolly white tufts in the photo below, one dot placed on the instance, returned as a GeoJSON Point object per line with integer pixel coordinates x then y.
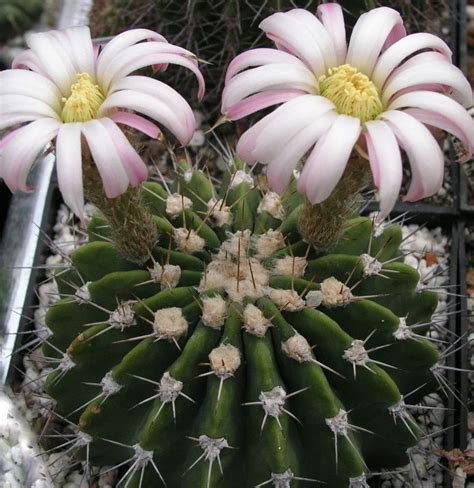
{"type": "Point", "coordinates": [214, 310]}
{"type": "Point", "coordinates": [268, 243]}
{"type": "Point", "coordinates": [298, 348]}
{"type": "Point", "coordinates": [290, 266]}
{"type": "Point", "coordinates": [219, 213]}
{"type": "Point", "coordinates": [225, 360]}
{"type": "Point", "coordinates": [168, 275]}
{"type": "Point", "coordinates": [335, 293]}
{"type": "Point", "coordinates": [169, 323]}
{"type": "Point", "coordinates": [188, 240]}
{"type": "Point", "coordinates": [255, 322]}
{"type": "Point", "coordinates": [288, 300]}
{"type": "Point", "coordinates": [241, 177]}
{"type": "Point", "coordinates": [271, 203]}
{"type": "Point", "coordinates": [370, 265]}
{"type": "Point", "coordinates": [314, 298]}
{"type": "Point", "coordinates": [176, 204]}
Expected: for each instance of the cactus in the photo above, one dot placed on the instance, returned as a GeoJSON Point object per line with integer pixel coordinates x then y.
{"type": "Point", "coordinates": [237, 356]}
{"type": "Point", "coordinates": [17, 16]}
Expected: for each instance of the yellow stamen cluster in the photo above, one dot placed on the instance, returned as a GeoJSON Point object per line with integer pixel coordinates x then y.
{"type": "Point", "coordinates": [352, 92]}
{"type": "Point", "coordinates": [85, 99]}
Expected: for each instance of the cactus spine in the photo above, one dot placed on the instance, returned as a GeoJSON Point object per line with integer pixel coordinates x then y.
{"type": "Point", "coordinates": [237, 356]}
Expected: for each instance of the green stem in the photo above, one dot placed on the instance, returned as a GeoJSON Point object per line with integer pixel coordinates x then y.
{"type": "Point", "coordinates": [323, 224]}
{"type": "Point", "coordinates": [133, 230]}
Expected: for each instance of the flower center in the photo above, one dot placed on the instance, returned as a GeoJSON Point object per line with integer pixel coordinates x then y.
{"type": "Point", "coordinates": [352, 92]}
{"type": "Point", "coordinates": [85, 99]}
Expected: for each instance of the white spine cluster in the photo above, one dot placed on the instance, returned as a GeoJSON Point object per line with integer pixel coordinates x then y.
{"type": "Point", "coordinates": [273, 401]}
{"type": "Point", "coordinates": [219, 213]}
{"type": "Point", "coordinates": [339, 424]}
{"type": "Point", "coordinates": [169, 388]}
{"type": "Point", "coordinates": [83, 295]}
{"type": "Point", "coordinates": [288, 300]}
{"type": "Point", "coordinates": [290, 266]}
{"type": "Point", "coordinates": [169, 323]}
{"type": "Point", "coordinates": [214, 311]}
{"type": "Point", "coordinates": [176, 204]}
{"type": "Point", "coordinates": [122, 317]}
{"type": "Point", "coordinates": [356, 354]}
{"type": "Point", "coordinates": [224, 360]}
{"type": "Point", "coordinates": [298, 348]}
{"type": "Point", "coordinates": [254, 322]}
{"type": "Point", "coordinates": [271, 203]}
{"type": "Point", "coordinates": [168, 275]}
{"type": "Point", "coordinates": [268, 243]}
{"type": "Point", "coordinates": [335, 293]}
{"type": "Point", "coordinates": [370, 265]}
{"type": "Point", "coordinates": [188, 240]}
{"type": "Point", "coordinates": [359, 482]}
{"type": "Point", "coordinates": [314, 298]}
{"type": "Point", "coordinates": [109, 385]}
{"type": "Point", "coordinates": [403, 331]}
{"type": "Point", "coordinates": [66, 363]}
{"type": "Point", "coordinates": [241, 177]}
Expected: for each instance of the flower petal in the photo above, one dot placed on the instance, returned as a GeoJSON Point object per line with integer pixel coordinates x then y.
{"type": "Point", "coordinates": [152, 107]}
{"type": "Point", "coordinates": [440, 111]}
{"type": "Point", "coordinates": [294, 116]}
{"type": "Point", "coordinates": [147, 54]}
{"type": "Point", "coordinates": [300, 42]}
{"type": "Point", "coordinates": [163, 92]}
{"type": "Point", "coordinates": [320, 35]}
{"type": "Point", "coordinates": [403, 48]}
{"type": "Point", "coordinates": [281, 168]}
{"type": "Point", "coordinates": [28, 60]}
{"type": "Point", "coordinates": [259, 101]}
{"type": "Point", "coordinates": [21, 104]}
{"type": "Point", "coordinates": [386, 164]}
{"type": "Point", "coordinates": [425, 156]}
{"type": "Point", "coordinates": [115, 47]}
{"type": "Point", "coordinates": [136, 122]}
{"type": "Point", "coordinates": [11, 119]}
{"type": "Point", "coordinates": [326, 163]}
{"type": "Point", "coordinates": [30, 84]}
{"type": "Point", "coordinates": [259, 57]}
{"type": "Point", "coordinates": [270, 77]}
{"type": "Point", "coordinates": [437, 72]}
{"type": "Point", "coordinates": [136, 169]}
{"type": "Point", "coordinates": [22, 149]}
{"type": "Point", "coordinates": [106, 158]}
{"type": "Point", "coordinates": [333, 20]}
{"type": "Point", "coordinates": [69, 167]}
{"type": "Point", "coordinates": [369, 36]}
{"type": "Point", "coordinates": [53, 59]}
{"type": "Point", "coordinates": [78, 43]}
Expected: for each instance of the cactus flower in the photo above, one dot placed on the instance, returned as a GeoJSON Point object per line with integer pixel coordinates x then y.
{"type": "Point", "coordinates": [64, 89]}
{"type": "Point", "coordinates": [374, 95]}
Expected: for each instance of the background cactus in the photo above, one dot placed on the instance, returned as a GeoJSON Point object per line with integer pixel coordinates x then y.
{"type": "Point", "coordinates": [237, 356]}
{"type": "Point", "coordinates": [17, 16]}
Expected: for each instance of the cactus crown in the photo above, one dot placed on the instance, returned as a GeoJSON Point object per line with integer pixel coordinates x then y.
{"type": "Point", "coordinates": [237, 355]}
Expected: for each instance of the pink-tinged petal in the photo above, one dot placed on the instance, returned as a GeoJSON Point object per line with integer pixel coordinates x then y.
{"type": "Point", "coordinates": [260, 101]}
{"type": "Point", "coordinates": [30, 84]}
{"type": "Point", "coordinates": [425, 156]}
{"type": "Point", "coordinates": [136, 122]}
{"type": "Point", "coordinates": [281, 168]}
{"type": "Point", "coordinates": [162, 92]}
{"type": "Point", "coordinates": [136, 169]}
{"type": "Point", "coordinates": [320, 35]}
{"type": "Point", "coordinates": [439, 111]}
{"type": "Point", "coordinates": [115, 47]}
{"type": "Point", "coordinates": [53, 59]}
{"type": "Point", "coordinates": [21, 150]}
{"type": "Point", "coordinates": [147, 54]}
{"type": "Point", "coordinates": [152, 107]}
{"type": "Point", "coordinates": [259, 57]}
{"type": "Point", "coordinates": [429, 72]}
{"type": "Point", "coordinates": [21, 104]}
{"type": "Point", "coordinates": [69, 167]}
{"type": "Point", "coordinates": [248, 140]}
{"type": "Point", "coordinates": [28, 60]}
{"type": "Point", "coordinates": [106, 158]}
{"type": "Point", "coordinates": [8, 120]}
{"type": "Point", "coordinates": [370, 35]}
{"type": "Point", "coordinates": [333, 20]}
{"type": "Point", "coordinates": [327, 161]}
{"type": "Point", "coordinates": [403, 48]}
{"type": "Point", "coordinates": [269, 77]}
{"type": "Point", "coordinates": [386, 164]}
{"type": "Point", "coordinates": [290, 119]}
{"type": "Point", "coordinates": [298, 41]}
{"type": "Point", "coordinates": [5, 140]}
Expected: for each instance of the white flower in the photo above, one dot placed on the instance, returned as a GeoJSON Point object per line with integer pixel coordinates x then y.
{"type": "Point", "coordinates": [63, 88]}
{"type": "Point", "coordinates": [377, 93]}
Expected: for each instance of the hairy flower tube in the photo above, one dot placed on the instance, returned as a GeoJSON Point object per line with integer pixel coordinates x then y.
{"type": "Point", "coordinates": [63, 88]}
{"type": "Point", "coordinates": [374, 95]}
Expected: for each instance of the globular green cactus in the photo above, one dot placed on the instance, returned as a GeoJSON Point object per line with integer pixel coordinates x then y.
{"type": "Point", "coordinates": [237, 356]}
{"type": "Point", "coordinates": [17, 16]}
